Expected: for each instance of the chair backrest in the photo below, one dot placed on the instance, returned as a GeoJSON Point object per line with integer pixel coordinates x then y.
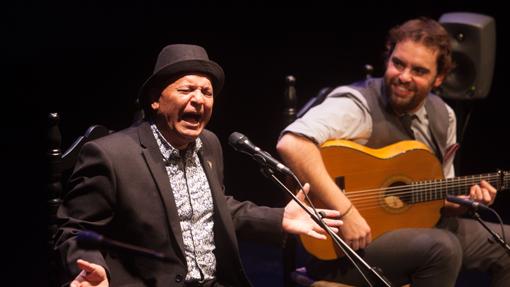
{"type": "Point", "coordinates": [70, 156]}
{"type": "Point", "coordinates": [60, 167]}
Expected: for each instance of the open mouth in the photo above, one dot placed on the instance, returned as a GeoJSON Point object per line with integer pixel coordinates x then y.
{"type": "Point", "coordinates": [401, 90]}
{"type": "Point", "coordinates": [191, 117]}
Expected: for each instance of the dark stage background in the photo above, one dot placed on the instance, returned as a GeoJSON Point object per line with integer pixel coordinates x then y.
{"type": "Point", "coordinates": [87, 59]}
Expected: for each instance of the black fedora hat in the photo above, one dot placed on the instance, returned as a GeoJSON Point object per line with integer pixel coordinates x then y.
{"type": "Point", "coordinates": [177, 60]}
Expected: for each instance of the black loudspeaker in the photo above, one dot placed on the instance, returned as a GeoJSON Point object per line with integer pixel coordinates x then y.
{"type": "Point", "coordinates": [473, 39]}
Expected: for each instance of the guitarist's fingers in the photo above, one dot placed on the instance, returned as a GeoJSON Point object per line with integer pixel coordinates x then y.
{"type": "Point", "coordinates": [475, 193]}
{"type": "Point", "coordinates": [354, 244]}
{"type": "Point", "coordinates": [481, 194]}
{"type": "Point", "coordinates": [486, 197]}
{"type": "Point", "coordinates": [362, 242]}
{"type": "Point", "coordinates": [368, 239]}
{"type": "Point", "coordinates": [489, 192]}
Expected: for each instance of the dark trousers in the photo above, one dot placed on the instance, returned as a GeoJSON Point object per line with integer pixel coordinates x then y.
{"type": "Point", "coordinates": [426, 256]}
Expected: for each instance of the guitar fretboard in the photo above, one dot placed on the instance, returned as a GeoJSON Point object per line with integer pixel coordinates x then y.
{"type": "Point", "coordinates": [430, 190]}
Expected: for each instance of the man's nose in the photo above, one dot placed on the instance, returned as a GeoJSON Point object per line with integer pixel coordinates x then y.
{"type": "Point", "coordinates": [405, 76]}
{"type": "Point", "coordinates": [198, 96]}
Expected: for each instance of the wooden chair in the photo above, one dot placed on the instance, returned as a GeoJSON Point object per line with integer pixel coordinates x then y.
{"type": "Point", "coordinates": [60, 166]}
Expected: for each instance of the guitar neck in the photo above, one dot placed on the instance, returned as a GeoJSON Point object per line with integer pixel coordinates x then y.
{"type": "Point", "coordinates": [430, 190]}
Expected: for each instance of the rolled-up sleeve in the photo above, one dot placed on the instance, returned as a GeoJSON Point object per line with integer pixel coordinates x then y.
{"type": "Point", "coordinates": [340, 116]}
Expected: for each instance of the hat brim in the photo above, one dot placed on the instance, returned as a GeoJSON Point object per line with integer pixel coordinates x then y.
{"type": "Point", "coordinates": [164, 76]}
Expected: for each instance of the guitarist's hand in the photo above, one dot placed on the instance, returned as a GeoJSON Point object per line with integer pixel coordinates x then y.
{"type": "Point", "coordinates": [484, 193]}
{"type": "Point", "coordinates": [355, 230]}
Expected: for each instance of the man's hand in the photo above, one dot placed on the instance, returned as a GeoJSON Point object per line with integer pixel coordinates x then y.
{"type": "Point", "coordinates": [91, 275]}
{"type": "Point", "coordinates": [484, 193]}
{"type": "Point", "coordinates": [297, 221]}
{"type": "Point", "coordinates": [355, 230]}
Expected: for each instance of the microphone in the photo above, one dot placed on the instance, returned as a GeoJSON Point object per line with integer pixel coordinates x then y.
{"type": "Point", "coordinates": [242, 144]}
{"type": "Point", "coordinates": [91, 240]}
{"type": "Point", "coordinates": [466, 202]}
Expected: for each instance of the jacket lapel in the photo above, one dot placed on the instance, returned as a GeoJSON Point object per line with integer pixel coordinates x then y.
{"type": "Point", "coordinates": [213, 167]}
{"type": "Point", "coordinates": [154, 160]}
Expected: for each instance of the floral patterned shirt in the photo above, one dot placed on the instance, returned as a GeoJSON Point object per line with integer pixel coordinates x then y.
{"type": "Point", "coordinates": [194, 203]}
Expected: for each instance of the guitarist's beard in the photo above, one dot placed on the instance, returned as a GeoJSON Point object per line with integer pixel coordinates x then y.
{"type": "Point", "coordinates": [404, 97]}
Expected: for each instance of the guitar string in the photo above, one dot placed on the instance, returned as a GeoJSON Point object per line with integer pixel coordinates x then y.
{"type": "Point", "coordinates": [425, 185]}
{"type": "Point", "coordinates": [421, 192]}
{"type": "Point", "coordinates": [364, 202]}
{"type": "Point", "coordinates": [457, 181]}
{"type": "Point", "coordinates": [376, 202]}
{"type": "Point", "coordinates": [413, 189]}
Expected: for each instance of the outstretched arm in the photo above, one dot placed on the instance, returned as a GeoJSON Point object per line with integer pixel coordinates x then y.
{"type": "Point", "coordinates": [297, 221]}
{"type": "Point", "coordinates": [304, 158]}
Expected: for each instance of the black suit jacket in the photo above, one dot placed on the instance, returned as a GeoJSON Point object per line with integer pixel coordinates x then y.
{"type": "Point", "coordinates": [120, 189]}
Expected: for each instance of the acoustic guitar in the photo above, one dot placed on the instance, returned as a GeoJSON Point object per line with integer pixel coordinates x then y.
{"type": "Point", "coordinates": [397, 186]}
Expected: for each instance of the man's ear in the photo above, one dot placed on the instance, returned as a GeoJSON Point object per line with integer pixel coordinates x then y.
{"type": "Point", "coordinates": [439, 80]}
{"type": "Point", "coordinates": [155, 105]}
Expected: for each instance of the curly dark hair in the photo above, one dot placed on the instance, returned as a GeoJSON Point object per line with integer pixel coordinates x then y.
{"type": "Point", "coordinates": [427, 31]}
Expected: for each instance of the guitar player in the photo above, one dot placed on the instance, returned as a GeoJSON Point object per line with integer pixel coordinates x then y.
{"type": "Point", "coordinates": [379, 112]}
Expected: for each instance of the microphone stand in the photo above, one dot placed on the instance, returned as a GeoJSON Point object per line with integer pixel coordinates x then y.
{"type": "Point", "coordinates": [496, 236]}
{"type": "Point", "coordinates": [87, 239]}
{"type": "Point", "coordinates": [379, 279]}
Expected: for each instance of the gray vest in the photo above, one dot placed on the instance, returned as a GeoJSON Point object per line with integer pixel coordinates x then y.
{"type": "Point", "coordinates": [387, 126]}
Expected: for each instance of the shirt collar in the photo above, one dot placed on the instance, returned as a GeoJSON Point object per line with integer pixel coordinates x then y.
{"type": "Point", "coordinates": [421, 114]}
{"type": "Point", "coordinates": [170, 152]}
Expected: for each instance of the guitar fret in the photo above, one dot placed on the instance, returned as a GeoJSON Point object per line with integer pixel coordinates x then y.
{"type": "Point", "coordinates": [506, 180]}
{"type": "Point", "coordinates": [439, 192]}
{"type": "Point", "coordinates": [421, 196]}
{"type": "Point", "coordinates": [413, 195]}
{"type": "Point", "coordinates": [428, 197]}
{"type": "Point", "coordinates": [462, 183]}
{"type": "Point", "coordinates": [434, 196]}
{"type": "Point", "coordinates": [434, 190]}
{"type": "Point", "coordinates": [424, 192]}
{"type": "Point", "coordinates": [429, 191]}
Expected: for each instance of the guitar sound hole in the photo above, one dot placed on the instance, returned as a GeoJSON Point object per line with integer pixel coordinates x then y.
{"type": "Point", "coordinates": [396, 196]}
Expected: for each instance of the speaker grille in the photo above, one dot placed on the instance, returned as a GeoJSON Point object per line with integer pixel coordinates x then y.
{"type": "Point", "coordinates": [473, 39]}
